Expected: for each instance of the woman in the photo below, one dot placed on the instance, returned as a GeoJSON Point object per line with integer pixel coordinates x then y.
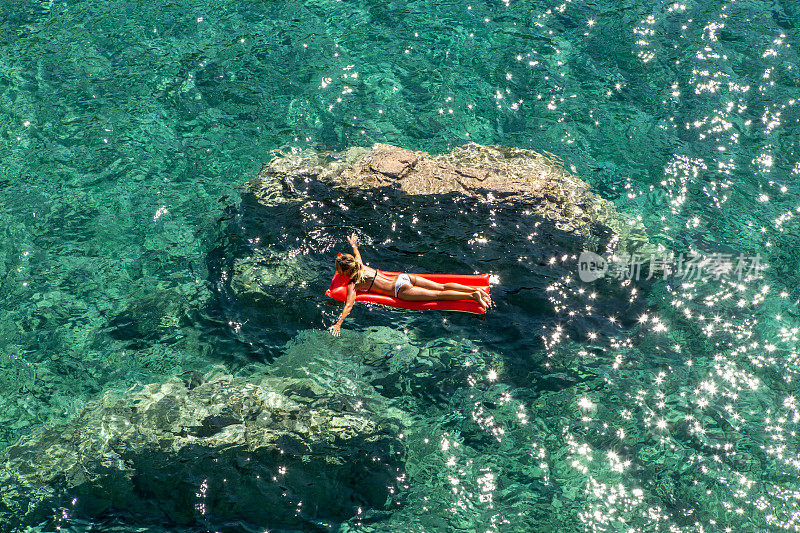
{"type": "Point", "coordinates": [403, 286]}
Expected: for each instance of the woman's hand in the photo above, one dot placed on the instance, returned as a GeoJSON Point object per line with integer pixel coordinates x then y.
{"type": "Point", "coordinates": [335, 329]}
{"type": "Point", "coordinates": [353, 239]}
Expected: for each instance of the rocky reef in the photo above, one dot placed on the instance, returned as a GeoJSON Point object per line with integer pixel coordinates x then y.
{"type": "Point", "coordinates": [206, 451]}
{"type": "Point", "coordinates": [506, 175]}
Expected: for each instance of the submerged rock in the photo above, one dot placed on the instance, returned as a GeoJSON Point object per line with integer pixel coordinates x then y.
{"type": "Point", "coordinates": [266, 268]}
{"type": "Point", "coordinates": [514, 213]}
{"type": "Point", "coordinates": [525, 178]}
{"type": "Point", "coordinates": [399, 365]}
{"type": "Point", "coordinates": [273, 452]}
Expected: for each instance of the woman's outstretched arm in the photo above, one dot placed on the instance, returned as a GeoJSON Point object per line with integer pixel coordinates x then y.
{"type": "Point", "coordinates": [348, 305]}
{"type": "Point", "coordinates": [352, 239]}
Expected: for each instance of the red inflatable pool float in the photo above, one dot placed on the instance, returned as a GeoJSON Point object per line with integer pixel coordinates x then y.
{"type": "Point", "coordinates": [338, 291]}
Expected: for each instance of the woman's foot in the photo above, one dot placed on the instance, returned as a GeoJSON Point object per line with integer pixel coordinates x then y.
{"type": "Point", "coordinates": [486, 297]}
{"type": "Point", "coordinates": [481, 298]}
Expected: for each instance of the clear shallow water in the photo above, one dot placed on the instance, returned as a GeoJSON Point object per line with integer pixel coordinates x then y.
{"type": "Point", "coordinates": [127, 128]}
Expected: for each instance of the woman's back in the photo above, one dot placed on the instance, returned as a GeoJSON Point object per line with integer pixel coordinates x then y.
{"type": "Point", "coordinates": [376, 281]}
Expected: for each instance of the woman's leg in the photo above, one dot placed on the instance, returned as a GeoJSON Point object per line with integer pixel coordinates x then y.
{"type": "Point", "coordinates": [419, 281]}
{"type": "Point", "coordinates": [411, 293]}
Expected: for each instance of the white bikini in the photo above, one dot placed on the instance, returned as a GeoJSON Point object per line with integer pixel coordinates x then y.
{"type": "Point", "coordinates": [401, 280]}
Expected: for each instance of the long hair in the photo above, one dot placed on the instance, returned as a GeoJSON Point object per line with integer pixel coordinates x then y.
{"type": "Point", "coordinates": [347, 263]}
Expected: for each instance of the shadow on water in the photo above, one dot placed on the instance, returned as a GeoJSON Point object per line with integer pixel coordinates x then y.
{"type": "Point", "coordinates": [272, 267]}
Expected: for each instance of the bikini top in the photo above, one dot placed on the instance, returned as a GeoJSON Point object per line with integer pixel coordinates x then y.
{"type": "Point", "coordinates": [373, 281]}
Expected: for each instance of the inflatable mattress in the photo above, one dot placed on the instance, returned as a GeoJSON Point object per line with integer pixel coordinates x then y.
{"type": "Point", "coordinates": [338, 291]}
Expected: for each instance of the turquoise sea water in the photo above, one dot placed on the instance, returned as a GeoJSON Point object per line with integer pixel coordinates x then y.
{"type": "Point", "coordinates": [127, 128]}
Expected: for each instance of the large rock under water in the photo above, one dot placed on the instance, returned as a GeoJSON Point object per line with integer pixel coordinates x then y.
{"type": "Point", "coordinates": [506, 175]}
{"type": "Point", "coordinates": [274, 452]}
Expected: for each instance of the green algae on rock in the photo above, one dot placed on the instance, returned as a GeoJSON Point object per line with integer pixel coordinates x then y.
{"type": "Point", "coordinates": [278, 451]}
